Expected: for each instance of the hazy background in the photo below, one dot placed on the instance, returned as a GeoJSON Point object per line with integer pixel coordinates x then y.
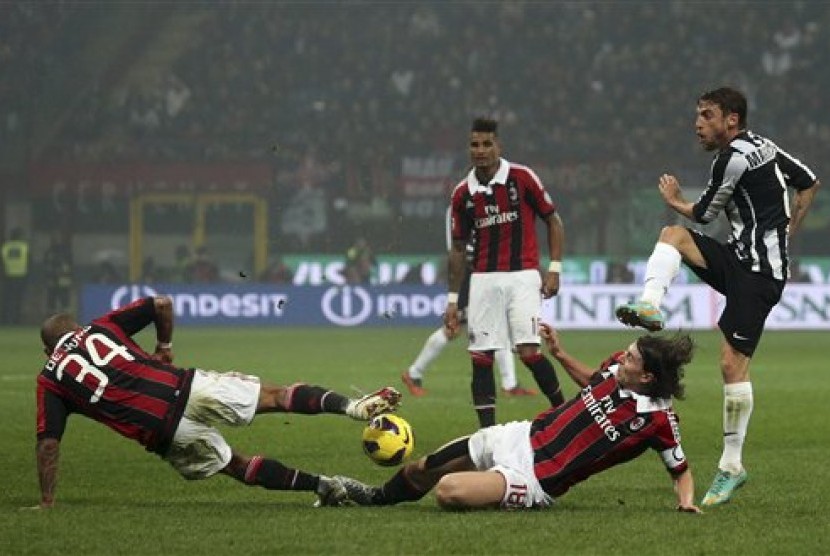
{"type": "Point", "coordinates": [349, 120]}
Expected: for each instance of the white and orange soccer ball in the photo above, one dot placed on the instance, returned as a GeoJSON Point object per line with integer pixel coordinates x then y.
{"type": "Point", "coordinates": [388, 439]}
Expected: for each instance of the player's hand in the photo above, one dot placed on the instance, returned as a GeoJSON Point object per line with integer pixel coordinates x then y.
{"type": "Point", "coordinates": [451, 334]}
{"type": "Point", "coordinates": [551, 285]}
{"type": "Point", "coordinates": [451, 319]}
{"type": "Point", "coordinates": [551, 338]}
{"type": "Point", "coordinates": [165, 355]}
{"type": "Point", "coordinates": [669, 188]}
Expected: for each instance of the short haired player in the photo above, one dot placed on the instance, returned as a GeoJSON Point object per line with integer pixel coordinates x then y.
{"type": "Point", "coordinates": [99, 371]}
{"type": "Point", "coordinates": [500, 201]}
{"type": "Point", "coordinates": [750, 177]}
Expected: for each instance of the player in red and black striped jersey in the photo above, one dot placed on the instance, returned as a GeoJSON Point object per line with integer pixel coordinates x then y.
{"type": "Point", "coordinates": [99, 371]}
{"type": "Point", "coordinates": [499, 202]}
{"type": "Point", "coordinates": [623, 409]}
{"type": "Point", "coordinates": [439, 339]}
{"type": "Point", "coordinates": [145, 394]}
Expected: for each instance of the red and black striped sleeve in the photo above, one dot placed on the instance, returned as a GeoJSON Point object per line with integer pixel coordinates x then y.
{"type": "Point", "coordinates": [52, 414]}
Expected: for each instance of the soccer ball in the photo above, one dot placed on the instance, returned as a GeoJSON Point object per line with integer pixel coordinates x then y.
{"type": "Point", "coordinates": [388, 439]}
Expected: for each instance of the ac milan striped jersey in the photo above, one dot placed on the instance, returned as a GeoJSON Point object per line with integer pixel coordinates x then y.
{"type": "Point", "coordinates": [502, 215]}
{"type": "Point", "coordinates": [100, 372]}
{"type": "Point", "coordinates": [749, 182]}
{"type": "Point", "coordinates": [602, 426]}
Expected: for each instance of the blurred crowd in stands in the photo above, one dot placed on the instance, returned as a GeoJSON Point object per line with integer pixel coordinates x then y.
{"type": "Point", "coordinates": [333, 89]}
{"type": "Point", "coordinates": [335, 95]}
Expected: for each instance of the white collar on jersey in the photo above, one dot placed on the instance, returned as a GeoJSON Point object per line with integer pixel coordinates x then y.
{"type": "Point", "coordinates": [645, 404]}
{"type": "Point", "coordinates": [501, 177]}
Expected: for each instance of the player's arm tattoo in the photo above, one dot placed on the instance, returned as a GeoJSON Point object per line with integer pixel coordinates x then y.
{"type": "Point", "coordinates": [164, 318]}
{"type": "Point", "coordinates": [47, 450]}
{"type": "Point", "coordinates": [556, 236]}
{"type": "Point", "coordinates": [456, 264]}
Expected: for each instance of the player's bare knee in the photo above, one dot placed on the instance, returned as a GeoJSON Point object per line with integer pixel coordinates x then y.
{"type": "Point", "coordinates": [448, 492]}
{"type": "Point", "coordinates": [674, 235]}
{"type": "Point", "coordinates": [272, 398]}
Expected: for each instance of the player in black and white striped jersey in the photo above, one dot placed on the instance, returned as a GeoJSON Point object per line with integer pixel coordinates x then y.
{"type": "Point", "coordinates": [749, 182]}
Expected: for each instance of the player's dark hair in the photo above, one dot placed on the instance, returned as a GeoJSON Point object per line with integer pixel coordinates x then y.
{"type": "Point", "coordinates": [54, 327]}
{"type": "Point", "coordinates": [485, 125]}
{"type": "Point", "coordinates": [664, 357]}
{"type": "Point", "coordinates": [730, 101]}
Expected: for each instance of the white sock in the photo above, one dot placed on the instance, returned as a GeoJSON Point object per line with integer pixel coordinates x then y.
{"type": "Point", "coordinates": [432, 349]}
{"type": "Point", "coordinates": [507, 368]}
{"type": "Point", "coordinates": [662, 267]}
{"type": "Point", "coordinates": [737, 407]}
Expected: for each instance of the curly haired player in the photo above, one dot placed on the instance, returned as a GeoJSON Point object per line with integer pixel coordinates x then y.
{"type": "Point", "coordinates": [623, 408]}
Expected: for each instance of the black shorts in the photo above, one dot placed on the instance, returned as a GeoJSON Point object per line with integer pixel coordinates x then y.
{"type": "Point", "coordinates": [749, 296]}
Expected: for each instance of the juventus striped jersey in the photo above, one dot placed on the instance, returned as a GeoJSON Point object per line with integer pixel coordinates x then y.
{"type": "Point", "coordinates": [100, 372]}
{"type": "Point", "coordinates": [502, 215]}
{"type": "Point", "coordinates": [604, 425]}
{"type": "Point", "coordinates": [749, 182]}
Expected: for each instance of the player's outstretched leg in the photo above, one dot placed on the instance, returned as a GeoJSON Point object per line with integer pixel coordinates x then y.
{"type": "Point", "coordinates": [661, 269]}
{"type": "Point", "coordinates": [331, 492]}
{"type": "Point", "coordinates": [642, 314]}
{"type": "Point", "coordinates": [384, 400]}
{"type": "Point", "coordinates": [360, 493]}
{"type": "Point", "coordinates": [399, 488]}
{"type": "Point", "coordinates": [272, 474]}
{"type": "Point", "coordinates": [724, 487]}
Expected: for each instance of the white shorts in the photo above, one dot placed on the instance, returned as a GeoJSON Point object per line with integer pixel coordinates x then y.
{"type": "Point", "coordinates": [198, 449]}
{"type": "Point", "coordinates": [506, 449]}
{"type": "Point", "coordinates": [504, 309]}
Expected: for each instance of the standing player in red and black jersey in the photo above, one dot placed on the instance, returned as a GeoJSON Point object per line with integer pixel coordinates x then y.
{"type": "Point", "coordinates": [99, 371]}
{"type": "Point", "coordinates": [499, 202]}
{"type": "Point", "coordinates": [439, 339]}
{"type": "Point", "coordinates": [623, 409]}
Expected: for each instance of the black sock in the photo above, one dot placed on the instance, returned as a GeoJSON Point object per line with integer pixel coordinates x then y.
{"type": "Point", "coordinates": [311, 400]}
{"type": "Point", "coordinates": [273, 475]}
{"type": "Point", "coordinates": [483, 387]}
{"type": "Point", "coordinates": [397, 489]}
{"type": "Point", "coordinates": [545, 376]}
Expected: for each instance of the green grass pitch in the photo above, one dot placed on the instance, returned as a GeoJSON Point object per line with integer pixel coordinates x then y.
{"type": "Point", "coordinates": [114, 498]}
